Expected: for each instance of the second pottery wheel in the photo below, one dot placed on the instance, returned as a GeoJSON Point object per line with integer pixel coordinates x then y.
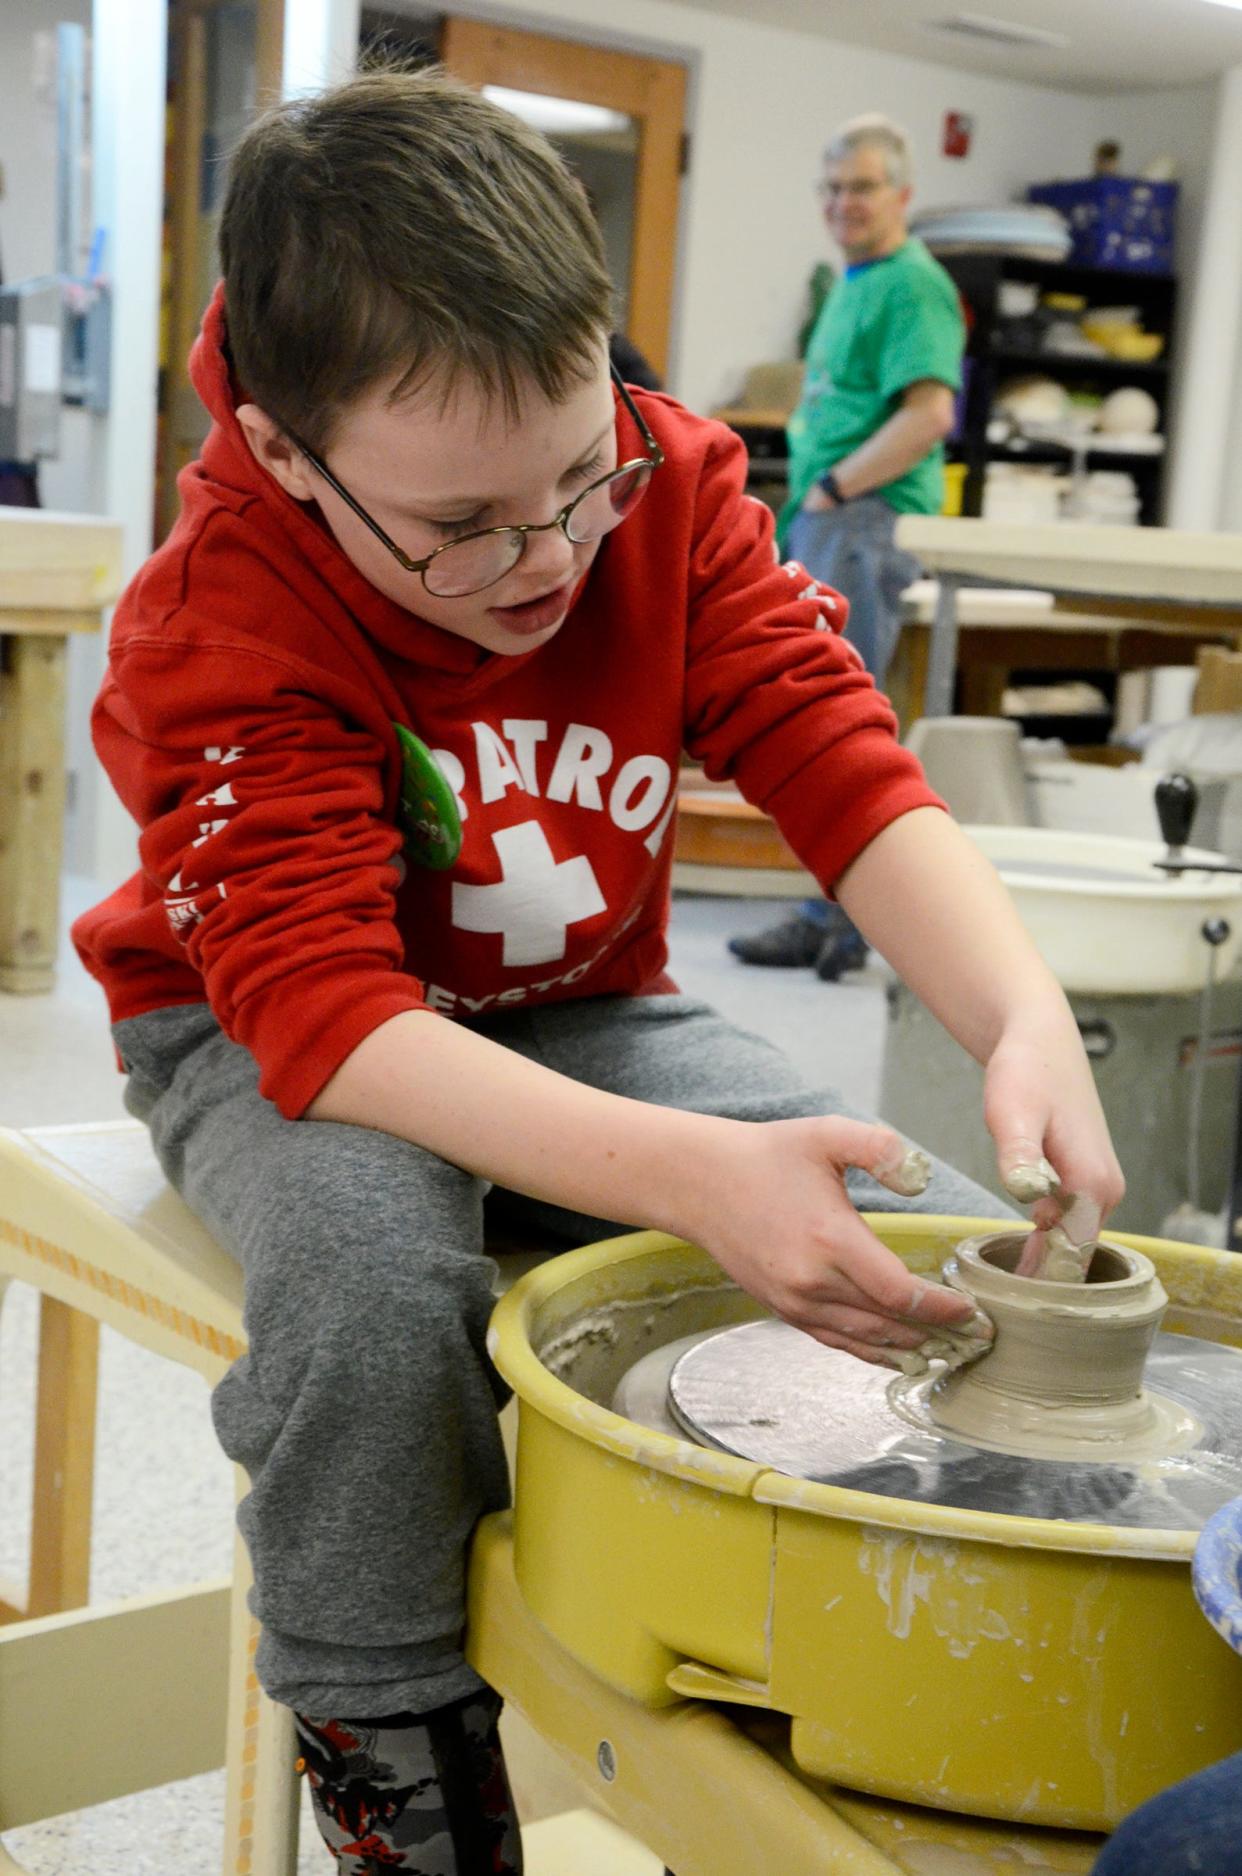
{"type": "Point", "coordinates": [1164, 1452]}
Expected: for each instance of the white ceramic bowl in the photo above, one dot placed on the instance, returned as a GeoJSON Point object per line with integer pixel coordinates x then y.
{"type": "Point", "coordinates": [1105, 919]}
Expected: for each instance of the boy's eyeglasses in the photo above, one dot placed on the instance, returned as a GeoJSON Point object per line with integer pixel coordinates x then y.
{"type": "Point", "coordinates": [479, 560]}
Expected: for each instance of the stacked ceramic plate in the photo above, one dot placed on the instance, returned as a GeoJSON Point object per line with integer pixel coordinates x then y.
{"type": "Point", "coordinates": [1009, 228]}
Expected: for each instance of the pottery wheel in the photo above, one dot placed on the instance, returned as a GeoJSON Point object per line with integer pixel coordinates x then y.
{"type": "Point", "coordinates": [767, 1392]}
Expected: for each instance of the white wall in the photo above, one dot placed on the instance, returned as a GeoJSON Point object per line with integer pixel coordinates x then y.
{"type": "Point", "coordinates": [28, 132]}
{"type": "Point", "coordinates": [1213, 400]}
{"type": "Point", "coordinates": [1181, 122]}
{"type": "Point", "coordinates": [28, 203]}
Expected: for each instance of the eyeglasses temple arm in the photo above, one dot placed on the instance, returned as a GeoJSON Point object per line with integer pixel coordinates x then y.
{"type": "Point", "coordinates": [656, 452]}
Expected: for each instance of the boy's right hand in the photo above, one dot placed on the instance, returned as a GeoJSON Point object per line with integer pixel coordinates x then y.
{"type": "Point", "coordinates": [772, 1209]}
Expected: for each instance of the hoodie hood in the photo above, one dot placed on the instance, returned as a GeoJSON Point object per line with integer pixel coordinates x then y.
{"type": "Point", "coordinates": [228, 472]}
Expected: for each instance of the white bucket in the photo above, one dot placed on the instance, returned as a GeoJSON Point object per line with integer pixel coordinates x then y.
{"type": "Point", "coordinates": [1106, 921]}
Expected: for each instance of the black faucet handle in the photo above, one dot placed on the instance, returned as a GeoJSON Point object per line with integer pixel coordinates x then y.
{"type": "Point", "coordinates": [1177, 798]}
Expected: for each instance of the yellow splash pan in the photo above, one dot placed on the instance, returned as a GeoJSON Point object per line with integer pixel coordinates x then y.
{"type": "Point", "coordinates": [1040, 1673]}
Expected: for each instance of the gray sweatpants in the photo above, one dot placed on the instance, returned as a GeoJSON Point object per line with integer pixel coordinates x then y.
{"type": "Point", "coordinates": [364, 1411]}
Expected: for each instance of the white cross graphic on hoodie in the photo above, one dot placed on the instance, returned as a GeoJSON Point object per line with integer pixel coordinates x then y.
{"type": "Point", "coordinates": [535, 902]}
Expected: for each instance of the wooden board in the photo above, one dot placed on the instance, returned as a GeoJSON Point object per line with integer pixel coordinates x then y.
{"type": "Point", "coordinates": [56, 561]}
{"type": "Point", "coordinates": [1220, 681]}
{"type": "Point", "coordinates": [106, 1701]}
{"type": "Point", "coordinates": [1144, 564]}
{"type": "Point", "coordinates": [32, 806]}
{"type": "Point", "coordinates": [722, 830]}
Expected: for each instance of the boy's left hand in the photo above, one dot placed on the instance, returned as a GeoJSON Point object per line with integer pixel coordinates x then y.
{"type": "Point", "coordinates": [1044, 1114]}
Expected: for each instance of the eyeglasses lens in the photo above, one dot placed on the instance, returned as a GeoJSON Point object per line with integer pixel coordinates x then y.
{"type": "Point", "coordinates": [468, 566]}
{"type": "Point", "coordinates": [602, 508]}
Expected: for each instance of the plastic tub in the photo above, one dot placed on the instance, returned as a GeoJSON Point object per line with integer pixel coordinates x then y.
{"type": "Point", "coordinates": [1105, 919]}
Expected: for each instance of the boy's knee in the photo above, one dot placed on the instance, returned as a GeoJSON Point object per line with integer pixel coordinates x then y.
{"type": "Point", "coordinates": [379, 1342]}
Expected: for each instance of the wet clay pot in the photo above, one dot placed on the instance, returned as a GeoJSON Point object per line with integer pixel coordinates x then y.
{"type": "Point", "coordinates": [1064, 1378]}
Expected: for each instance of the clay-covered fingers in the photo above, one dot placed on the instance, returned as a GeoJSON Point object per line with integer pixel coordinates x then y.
{"type": "Point", "coordinates": [1027, 1175]}
{"type": "Point", "coordinates": [1044, 1114]}
{"type": "Point", "coordinates": [862, 1328]}
{"type": "Point", "coordinates": [856, 1287]}
{"type": "Point", "coordinates": [907, 1346]}
{"type": "Point", "coordinates": [776, 1216]}
{"type": "Point", "coordinates": [892, 1161]}
{"type": "Point", "coordinates": [896, 1293]}
{"type": "Point", "coordinates": [1033, 1255]}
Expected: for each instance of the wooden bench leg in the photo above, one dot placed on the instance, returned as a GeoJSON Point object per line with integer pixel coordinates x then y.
{"type": "Point", "coordinates": [64, 1466]}
{"type": "Point", "coordinates": [32, 808]}
{"type": "Point", "coordinates": [64, 1462]}
{"type": "Point", "coordinates": [263, 1792]}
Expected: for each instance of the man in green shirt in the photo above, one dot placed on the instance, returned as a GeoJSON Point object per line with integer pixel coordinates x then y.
{"type": "Point", "coordinates": [866, 441]}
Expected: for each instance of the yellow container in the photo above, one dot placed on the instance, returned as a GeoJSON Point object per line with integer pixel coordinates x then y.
{"type": "Point", "coordinates": [954, 488]}
{"type": "Point", "coordinates": [1047, 1673]}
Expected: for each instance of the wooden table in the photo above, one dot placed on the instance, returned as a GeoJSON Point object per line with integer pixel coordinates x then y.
{"type": "Point", "coordinates": [1179, 582]}
{"type": "Point", "coordinates": [999, 631]}
{"type": "Point", "coordinates": [1161, 574]}
{"type": "Point", "coordinates": [57, 574]}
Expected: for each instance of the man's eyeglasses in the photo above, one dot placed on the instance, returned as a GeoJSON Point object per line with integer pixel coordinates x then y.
{"type": "Point", "coordinates": [475, 561]}
{"type": "Point", "coordinates": [828, 189]}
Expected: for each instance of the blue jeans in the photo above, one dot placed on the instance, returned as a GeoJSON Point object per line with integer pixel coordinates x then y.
{"type": "Point", "coordinates": [852, 548]}
{"type": "Point", "coordinates": [1192, 1829]}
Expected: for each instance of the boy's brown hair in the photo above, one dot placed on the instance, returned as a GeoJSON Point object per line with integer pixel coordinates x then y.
{"type": "Point", "coordinates": [402, 226]}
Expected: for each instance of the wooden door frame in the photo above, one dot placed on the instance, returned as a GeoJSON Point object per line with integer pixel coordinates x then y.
{"type": "Point", "coordinates": [652, 91]}
{"type": "Point", "coordinates": [188, 70]}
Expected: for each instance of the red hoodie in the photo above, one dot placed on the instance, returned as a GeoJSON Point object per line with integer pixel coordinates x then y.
{"type": "Point", "coordinates": [247, 722]}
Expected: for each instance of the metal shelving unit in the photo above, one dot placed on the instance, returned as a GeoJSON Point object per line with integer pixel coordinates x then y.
{"type": "Point", "coordinates": [979, 278]}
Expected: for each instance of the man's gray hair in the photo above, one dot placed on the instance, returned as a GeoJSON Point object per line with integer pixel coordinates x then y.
{"type": "Point", "coordinates": [874, 131]}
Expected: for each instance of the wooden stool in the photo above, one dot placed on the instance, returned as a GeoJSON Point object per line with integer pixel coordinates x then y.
{"type": "Point", "coordinates": [88, 1219]}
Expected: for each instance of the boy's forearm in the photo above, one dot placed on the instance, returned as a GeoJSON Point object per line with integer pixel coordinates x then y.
{"type": "Point", "coordinates": [936, 908]}
{"type": "Point", "coordinates": [490, 1111]}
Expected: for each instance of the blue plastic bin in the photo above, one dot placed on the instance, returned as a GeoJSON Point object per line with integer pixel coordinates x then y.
{"type": "Point", "coordinates": [1116, 221]}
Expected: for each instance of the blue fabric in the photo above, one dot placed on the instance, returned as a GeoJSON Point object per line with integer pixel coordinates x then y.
{"type": "Point", "coordinates": [1192, 1829]}
{"type": "Point", "coordinates": [852, 548]}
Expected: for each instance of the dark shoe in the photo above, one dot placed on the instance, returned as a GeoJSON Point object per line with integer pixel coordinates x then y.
{"type": "Point", "coordinates": [844, 949]}
{"type": "Point", "coordinates": [793, 944]}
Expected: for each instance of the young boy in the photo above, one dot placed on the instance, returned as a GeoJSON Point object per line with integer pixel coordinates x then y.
{"type": "Point", "coordinates": [398, 709]}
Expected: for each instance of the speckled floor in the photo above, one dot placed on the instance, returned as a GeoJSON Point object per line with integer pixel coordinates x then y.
{"type": "Point", "coordinates": [163, 1509]}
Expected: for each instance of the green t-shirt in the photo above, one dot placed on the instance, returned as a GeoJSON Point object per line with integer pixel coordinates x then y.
{"type": "Point", "coordinates": [885, 326]}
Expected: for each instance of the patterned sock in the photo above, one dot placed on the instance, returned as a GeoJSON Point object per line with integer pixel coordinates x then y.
{"type": "Point", "coordinates": [425, 1794]}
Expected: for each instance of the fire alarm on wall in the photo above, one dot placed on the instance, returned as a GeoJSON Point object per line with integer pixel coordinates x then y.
{"type": "Point", "coordinates": [957, 129]}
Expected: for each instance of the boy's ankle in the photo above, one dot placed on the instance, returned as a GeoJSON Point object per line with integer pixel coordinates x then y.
{"type": "Point", "coordinates": [427, 1792]}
